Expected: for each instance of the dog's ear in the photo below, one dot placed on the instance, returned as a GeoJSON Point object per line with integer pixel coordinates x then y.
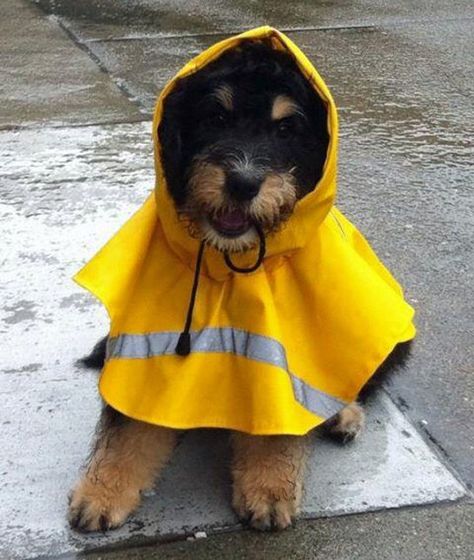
{"type": "Point", "coordinates": [171, 141]}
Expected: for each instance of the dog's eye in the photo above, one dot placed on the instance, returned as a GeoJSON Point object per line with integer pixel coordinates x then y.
{"type": "Point", "coordinates": [218, 119]}
{"type": "Point", "coordinates": [285, 128]}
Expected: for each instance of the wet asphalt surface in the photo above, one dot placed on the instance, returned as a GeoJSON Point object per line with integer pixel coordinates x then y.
{"type": "Point", "coordinates": [402, 78]}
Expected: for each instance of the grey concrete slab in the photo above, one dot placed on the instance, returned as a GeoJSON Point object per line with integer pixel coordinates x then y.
{"type": "Point", "coordinates": [404, 96]}
{"type": "Point", "coordinates": [431, 533]}
{"type": "Point", "coordinates": [60, 202]}
{"type": "Point", "coordinates": [46, 78]}
{"type": "Point", "coordinates": [112, 19]}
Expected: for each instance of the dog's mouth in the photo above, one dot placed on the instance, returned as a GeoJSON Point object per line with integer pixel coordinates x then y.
{"type": "Point", "coordinates": [231, 223]}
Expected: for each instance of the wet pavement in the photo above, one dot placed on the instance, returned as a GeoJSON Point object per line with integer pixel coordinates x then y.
{"type": "Point", "coordinates": [53, 82]}
{"type": "Point", "coordinates": [430, 533]}
{"type": "Point", "coordinates": [402, 78]}
{"type": "Point", "coordinates": [109, 19]}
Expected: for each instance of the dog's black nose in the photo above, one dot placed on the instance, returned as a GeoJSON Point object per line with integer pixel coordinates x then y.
{"type": "Point", "coordinates": [243, 187]}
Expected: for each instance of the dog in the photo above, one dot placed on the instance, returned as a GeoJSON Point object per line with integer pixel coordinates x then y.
{"type": "Point", "coordinates": [242, 142]}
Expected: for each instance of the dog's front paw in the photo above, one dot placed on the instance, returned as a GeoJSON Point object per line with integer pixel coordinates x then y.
{"type": "Point", "coordinates": [347, 424]}
{"type": "Point", "coordinates": [95, 507]}
{"type": "Point", "coordinates": [267, 474]}
{"type": "Point", "coordinates": [265, 508]}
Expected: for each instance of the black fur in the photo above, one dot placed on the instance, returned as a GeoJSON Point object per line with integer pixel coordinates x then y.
{"type": "Point", "coordinates": [96, 359]}
{"type": "Point", "coordinates": [395, 361]}
{"type": "Point", "coordinates": [195, 125]}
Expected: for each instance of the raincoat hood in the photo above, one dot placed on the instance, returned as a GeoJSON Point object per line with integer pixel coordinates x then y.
{"type": "Point", "coordinates": [308, 213]}
{"type": "Point", "coordinates": [277, 351]}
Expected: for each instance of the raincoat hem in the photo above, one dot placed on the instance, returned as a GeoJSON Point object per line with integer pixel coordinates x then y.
{"type": "Point", "coordinates": [94, 291]}
{"type": "Point", "coordinates": [407, 333]}
{"type": "Point", "coordinates": [214, 424]}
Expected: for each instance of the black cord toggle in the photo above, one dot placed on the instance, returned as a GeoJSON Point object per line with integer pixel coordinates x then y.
{"type": "Point", "coordinates": [183, 348]}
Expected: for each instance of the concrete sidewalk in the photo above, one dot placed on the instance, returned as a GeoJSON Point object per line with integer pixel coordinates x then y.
{"type": "Point", "coordinates": [75, 161]}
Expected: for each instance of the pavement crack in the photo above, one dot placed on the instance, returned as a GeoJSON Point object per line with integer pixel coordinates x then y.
{"type": "Point", "coordinates": [349, 26]}
{"type": "Point", "coordinates": [160, 36]}
{"type": "Point", "coordinates": [76, 39]}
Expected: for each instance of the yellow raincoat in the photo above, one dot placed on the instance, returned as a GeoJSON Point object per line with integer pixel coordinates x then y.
{"type": "Point", "coordinates": [277, 351]}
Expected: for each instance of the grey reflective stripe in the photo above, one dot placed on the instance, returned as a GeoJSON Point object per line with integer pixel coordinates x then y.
{"type": "Point", "coordinates": [227, 339]}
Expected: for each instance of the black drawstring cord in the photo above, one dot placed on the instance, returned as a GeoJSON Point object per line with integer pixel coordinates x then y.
{"type": "Point", "coordinates": [261, 255]}
{"type": "Point", "coordinates": [183, 348]}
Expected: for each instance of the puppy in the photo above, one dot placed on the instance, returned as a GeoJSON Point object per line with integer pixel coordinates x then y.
{"type": "Point", "coordinates": [253, 140]}
{"type": "Point", "coordinates": [242, 141]}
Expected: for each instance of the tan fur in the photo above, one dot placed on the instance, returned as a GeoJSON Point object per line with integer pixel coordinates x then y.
{"type": "Point", "coordinates": [349, 422]}
{"type": "Point", "coordinates": [267, 476]}
{"type": "Point", "coordinates": [207, 184]}
{"type": "Point", "coordinates": [267, 472]}
{"type": "Point", "coordinates": [270, 208]}
{"type": "Point", "coordinates": [283, 106]}
{"type": "Point", "coordinates": [126, 460]}
{"type": "Point", "coordinates": [224, 95]}
{"type": "Point", "coordinates": [207, 196]}
{"type": "Point", "coordinates": [275, 201]}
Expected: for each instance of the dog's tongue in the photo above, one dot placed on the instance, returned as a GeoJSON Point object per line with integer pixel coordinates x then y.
{"type": "Point", "coordinates": [232, 221]}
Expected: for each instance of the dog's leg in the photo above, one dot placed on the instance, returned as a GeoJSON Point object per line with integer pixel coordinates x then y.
{"type": "Point", "coordinates": [347, 424]}
{"type": "Point", "coordinates": [127, 457]}
{"type": "Point", "coordinates": [267, 476]}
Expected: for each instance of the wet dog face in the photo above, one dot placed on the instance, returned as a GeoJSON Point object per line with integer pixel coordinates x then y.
{"type": "Point", "coordinates": [242, 141]}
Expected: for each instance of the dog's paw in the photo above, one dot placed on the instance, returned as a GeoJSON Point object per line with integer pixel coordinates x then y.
{"type": "Point", "coordinates": [95, 507]}
{"type": "Point", "coordinates": [348, 424]}
{"type": "Point", "coordinates": [264, 509]}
